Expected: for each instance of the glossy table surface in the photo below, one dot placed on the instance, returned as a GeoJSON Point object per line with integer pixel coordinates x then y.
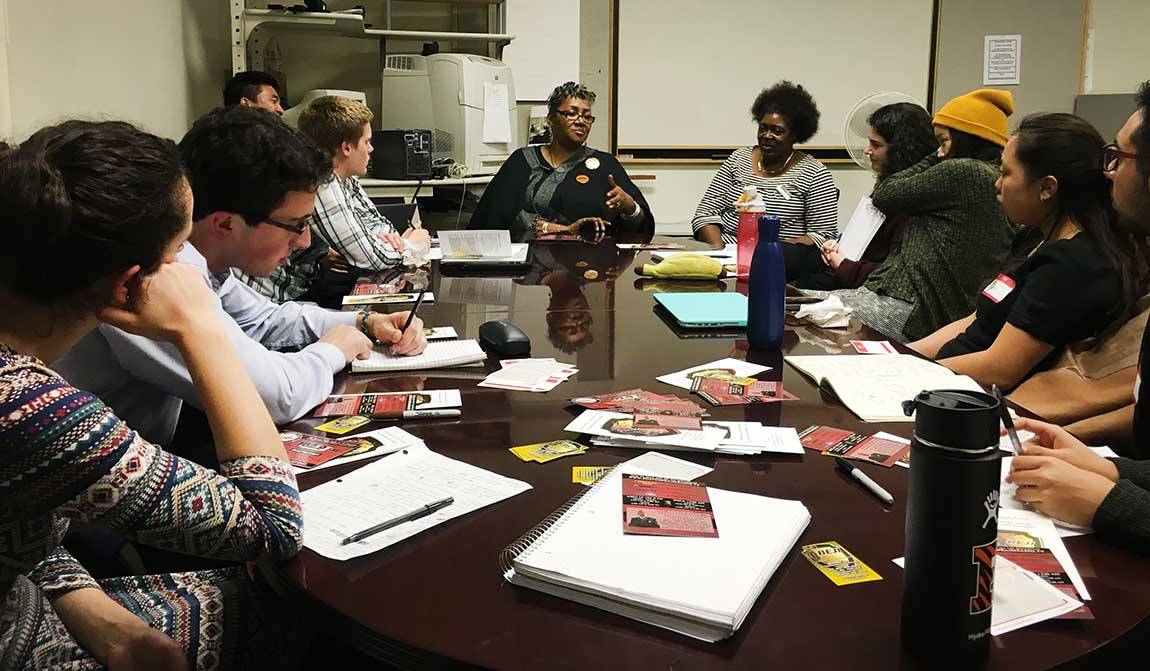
{"type": "Point", "coordinates": [439, 599]}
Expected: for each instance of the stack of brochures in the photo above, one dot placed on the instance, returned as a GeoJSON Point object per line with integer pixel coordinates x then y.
{"type": "Point", "coordinates": [617, 429]}
{"type": "Point", "coordinates": [701, 587]}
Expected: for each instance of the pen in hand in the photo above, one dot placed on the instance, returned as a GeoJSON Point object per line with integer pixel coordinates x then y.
{"type": "Point", "coordinates": [411, 315]}
{"type": "Point", "coordinates": [1007, 421]}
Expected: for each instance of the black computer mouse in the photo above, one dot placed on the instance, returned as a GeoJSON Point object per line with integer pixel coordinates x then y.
{"type": "Point", "coordinates": [504, 339]}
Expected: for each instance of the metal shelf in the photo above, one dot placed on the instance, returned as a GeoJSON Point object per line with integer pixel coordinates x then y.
{"type": "Point", "coordinates": [247, 23]}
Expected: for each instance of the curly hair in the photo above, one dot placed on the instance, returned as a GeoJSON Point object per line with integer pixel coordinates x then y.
{"type": "Point", "coordinates": [568, 90]}
{"type": "Point", "coordinates": [331, 120]}
{"type": "Point", "coordinates": [245, 160]}
{"type": "Point", "coordinates": [81, 201]}
{"type": "Point", "coordinates": [965, 145]}
{"type": "Point", "coordinates": [793, 103]}
{"type": "Point", "coordinates": [908, 132]}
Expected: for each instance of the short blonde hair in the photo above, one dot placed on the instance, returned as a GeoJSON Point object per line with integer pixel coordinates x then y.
{"type": "Point", "coordinates": [331, 120]}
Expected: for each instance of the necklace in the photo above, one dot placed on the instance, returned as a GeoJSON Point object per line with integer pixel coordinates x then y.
{"type": "Point", "coordinates": [774, 173]}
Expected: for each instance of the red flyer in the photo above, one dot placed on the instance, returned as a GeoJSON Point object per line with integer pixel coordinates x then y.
{"type": "Point", "coordinates": [849, 445]}
{"type": "Point", "coordinates": [725, 392]}
{"type": "Point", "coordinates": [664, 507]}
{"type": "Point", "coordinates": [366, 404]}
{"type": "Point", "coordinates": [307, 451]}
{"type": "Point", "coordinates": [1028, 552]}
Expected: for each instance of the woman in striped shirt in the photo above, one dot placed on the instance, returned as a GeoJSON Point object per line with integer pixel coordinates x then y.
{"type": "Point", "coordinates": [796, 188]}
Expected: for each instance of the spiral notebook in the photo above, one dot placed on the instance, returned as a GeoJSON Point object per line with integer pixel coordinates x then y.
{"type": "Point", "coordinates": [701, 587]}
{"type": "Point", "coordinates": [439, 354]}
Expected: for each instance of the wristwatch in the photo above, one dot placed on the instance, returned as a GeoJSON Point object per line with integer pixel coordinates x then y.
{"type": "Point", "coordinates": [363, 328]}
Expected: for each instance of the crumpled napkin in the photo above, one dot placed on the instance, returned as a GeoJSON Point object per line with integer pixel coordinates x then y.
{"type": "Point", "coordinates": [415, 254]}
{"type": "Point", "coordinates": [829, 313]}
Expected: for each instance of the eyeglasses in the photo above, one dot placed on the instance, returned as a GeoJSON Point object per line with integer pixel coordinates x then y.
{"type": "Point", "coordinates": [1111, 155]}
{"type": "Point", "coordinates": [572, 115]}
{"type": "Point", "coordinates": [298, 229]}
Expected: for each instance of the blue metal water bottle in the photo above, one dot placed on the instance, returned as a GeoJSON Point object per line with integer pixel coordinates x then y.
{"type": "Point", "coordinates": [767, 288]}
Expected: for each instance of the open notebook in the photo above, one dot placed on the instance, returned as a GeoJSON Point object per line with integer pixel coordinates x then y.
{"type": "Point", "coordinates": [439, 354]}
{"type": "Point", "coordinates": [874, 386]}
{"type": "Point", "coordinates": [701, 587]}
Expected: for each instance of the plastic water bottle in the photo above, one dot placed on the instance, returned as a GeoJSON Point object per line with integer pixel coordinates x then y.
{"type": "Point", "coordinates": [750, 207]}
{"type": "Point", "coordinates": [951, 525]}
{"type": "Point", "coordinates": [767, 288]}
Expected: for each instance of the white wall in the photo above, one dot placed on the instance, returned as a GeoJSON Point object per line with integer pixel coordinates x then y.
{"type": "Point", "coordinates": [1119, 58]}
{"type": "Point", "coordinates": [158, 63]}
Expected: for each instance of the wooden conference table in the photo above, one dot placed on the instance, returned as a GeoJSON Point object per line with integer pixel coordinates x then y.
{"type": "Point", "coordinates": [438, 600]}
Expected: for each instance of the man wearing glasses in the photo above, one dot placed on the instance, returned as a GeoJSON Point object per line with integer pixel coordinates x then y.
{"type": "Point", "coordinates": [1060, 476]}
{"type": "Point", "coordinates": [253, 182]}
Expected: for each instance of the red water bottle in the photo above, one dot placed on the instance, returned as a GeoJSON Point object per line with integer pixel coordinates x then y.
{"type": "Point", "coordinates": [750, 207]}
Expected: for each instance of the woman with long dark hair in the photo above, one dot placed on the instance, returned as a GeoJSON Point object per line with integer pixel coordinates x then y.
{"type": "Point", "coordinates": [1072, 285]}
{"type": "Point", "coordinates": [899, 135]}
{"type": "Point", "coordinates": [95, 214]}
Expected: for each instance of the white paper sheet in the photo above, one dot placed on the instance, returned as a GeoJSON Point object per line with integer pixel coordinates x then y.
{"type": "Point", "coordinates": [394, 485]}
{"type": "Point", "coordinates": [475, 244]}
{"type": "Point", "coordinates": [596, 422]}
{"type": "Point", "coordinates": [439, 354]}
{"type": "Point", "coordinates": [663, 466]}
{"type": "Point", "coordinates": [496, 119]}
{"type": "Point", "coordinates": [1041, 527]}
{"type": "Point", "coordinates": [738, 367]}
{"type": "Point", "coordinates": [860, 230]}
{"type": "Point", "coordinates": [778, 439]}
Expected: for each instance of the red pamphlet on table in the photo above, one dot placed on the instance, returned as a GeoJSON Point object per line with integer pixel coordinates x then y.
{"type": "Point", "coordinates": [307, 451]}
{"type": "Point", "coordinates": [664, 507]}
{"type": "Point", "coordinates": [849, 445]}
{"type": "Point", "coordinates": [724, 392]}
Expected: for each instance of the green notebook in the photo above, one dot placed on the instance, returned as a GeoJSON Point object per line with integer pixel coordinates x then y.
{"type": "Point", "coordinates": [706, 310]}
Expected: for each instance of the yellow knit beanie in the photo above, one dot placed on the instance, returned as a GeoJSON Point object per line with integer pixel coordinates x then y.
{"type": "Point", "coordinates": [981, 113]}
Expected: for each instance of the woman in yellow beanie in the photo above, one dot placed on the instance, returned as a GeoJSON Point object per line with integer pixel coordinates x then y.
{"type": "Point", "coordinates": [956, 236]}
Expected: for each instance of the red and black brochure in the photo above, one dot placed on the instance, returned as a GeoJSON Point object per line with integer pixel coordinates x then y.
{"type": "Point", "coordinates": [664, 507]}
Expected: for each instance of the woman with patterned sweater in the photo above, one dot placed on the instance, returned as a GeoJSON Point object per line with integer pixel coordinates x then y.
{"type": "Point", "coordinates": [96, 213]}
{"type": "Point", "coordinates": [955, 237]}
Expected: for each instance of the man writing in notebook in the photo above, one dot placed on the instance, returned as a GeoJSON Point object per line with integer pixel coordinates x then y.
{"type": "Point", "coordinates": [1060, 476]}
{"type": "Point", "coordinates": [253, 183]}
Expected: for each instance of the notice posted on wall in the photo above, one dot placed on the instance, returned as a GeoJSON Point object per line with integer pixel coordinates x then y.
{"type": "Point", "coordinates": [1002, 60]}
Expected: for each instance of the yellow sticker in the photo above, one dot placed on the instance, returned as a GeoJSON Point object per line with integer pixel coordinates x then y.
{"type": "Point", "coordinates": [341, 425]}
{"type": "Point", "coordinates": [838, 564]}
{"type": "Point", "coordinates": [582, 179]}
{"type": "Point", "coordinates": [588, 475]}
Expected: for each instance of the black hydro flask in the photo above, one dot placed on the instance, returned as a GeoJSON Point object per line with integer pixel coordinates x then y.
{"type": "Point", "coordinates": [951, 525]}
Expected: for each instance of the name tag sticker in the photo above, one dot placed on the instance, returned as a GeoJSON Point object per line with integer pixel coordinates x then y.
{"type": "Point", "coordinates": [783, 192]}
{"type": "Point", "coordinates": [999, 289]}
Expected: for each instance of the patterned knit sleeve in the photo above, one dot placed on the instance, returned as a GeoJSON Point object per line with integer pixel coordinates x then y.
{"type": "Point", "coordinates": [717, 198]}
{"type": "Point", "coordinates": [65, 451]}
{"type": "Point", "coordinates": [822, 206]}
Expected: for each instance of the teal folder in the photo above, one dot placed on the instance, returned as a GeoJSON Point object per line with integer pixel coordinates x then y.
{"type": "Point", "coordinates": [706, 310]}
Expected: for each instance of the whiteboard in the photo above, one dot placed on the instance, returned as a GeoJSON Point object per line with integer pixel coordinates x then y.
{"type": "Point", "coordinates": [545, 51]}
{"type": "Point", "coordinates": [689, 70]}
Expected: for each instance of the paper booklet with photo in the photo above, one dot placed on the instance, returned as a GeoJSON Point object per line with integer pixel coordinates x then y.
{"type": "Point", "coordinates": [306, 451]}
{"type": "Point", "coordinates": [368, 445]}
{"type": "Point", "coordinates": [621, 425]}
{"type": "Point", "coordinates": [873, 386]}
{"type": "Point", "coordinates": [833, 442]}
{"type": "Point", "coordinates": [364, 297]}
{"type": "Point", "coordinates": [439, 354]}
{"type": "Point", "coordinates": [724, 392]}
{"type": "Point", "coordinates": [1030, 540]}
{"type": "Point", "coordinates": [388, 404]}
{"type": "Point", "coordinates": [655, 506]}
{"type": "Point", "coordinates": [730, 370]}
{"type": "Point", "coordinates": [657, 579]}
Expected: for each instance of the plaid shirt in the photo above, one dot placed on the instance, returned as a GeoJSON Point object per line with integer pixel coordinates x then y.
{"type": "Point", "coordinates": [346, 219]}
{"type": "Point", "coordinates": [293, 279]}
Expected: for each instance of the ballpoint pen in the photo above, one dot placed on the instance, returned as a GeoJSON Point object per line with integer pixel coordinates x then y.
{"type": "Point", "coordinates": [411, 315]}
{"type": "Point", "coordinates": [862, 478]}
{"type": "Point", "coordinates": [419, 512]}
{"type": "Point", "coordinates": [1007, 421]}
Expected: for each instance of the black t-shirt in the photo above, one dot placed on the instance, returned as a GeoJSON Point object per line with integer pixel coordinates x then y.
{"type": "Point", "coordinates": [1065, 291]}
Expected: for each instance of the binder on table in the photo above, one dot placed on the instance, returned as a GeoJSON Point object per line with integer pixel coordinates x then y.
{"type": "Point", "coordinates": [701, 587]}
